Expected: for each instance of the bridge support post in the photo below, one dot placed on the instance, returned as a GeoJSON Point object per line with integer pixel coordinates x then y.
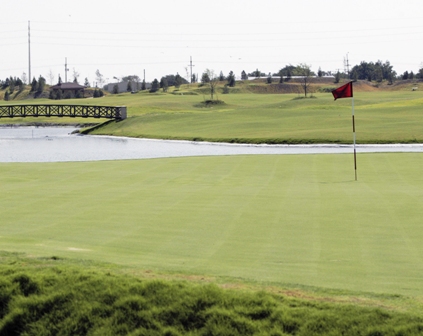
{"type": "Point", "coordinates": [123, 113]}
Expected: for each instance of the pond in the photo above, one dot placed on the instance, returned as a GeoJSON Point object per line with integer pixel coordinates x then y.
{"type": "Point", "coordinates": [56, 144]}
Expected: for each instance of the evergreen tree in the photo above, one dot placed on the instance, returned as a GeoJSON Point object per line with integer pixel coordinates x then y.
{"type": "Point", "coordinates": [155, 85]}
{"type": "Point", "coordinates": [337, 77]}
{"type": "Point", "coordinates": [221, 76]}
{"type": "Point", "coordinates": [405, 75]}
{"type": "Point", "coordinates": [7, 96]}
{"type": "Point", "coordinates": [231, 79]}
{"type": "Point", "coordinates": [178, 80]}
{"type": "Point", "coordinates": [34, 85]}
{"type": "Point", "coordinates": [20, 84]}
{"type": "Point", "coordinates": [11, 84]}
{"type": "Point", "coordinates": [129, 86]}
{"type": "Point", "coordinates": [164, 84]}
{"type": "Point", "coordinates": [205, 78]}
{"type": "Point", "coordinates": [86, 83]}
{"type": "Point", "coordinates": [194, 78]}
{"type": "Point", "coordinates": [269, 79]}
{"type": "Point", "coordinates": [41, 84]}
{"type": "Point", "coordinates": [115, 89]}
{"type": "Point", "coordinates": [143, 85]}
{"type": "Point", "coordinates": [244, 75]}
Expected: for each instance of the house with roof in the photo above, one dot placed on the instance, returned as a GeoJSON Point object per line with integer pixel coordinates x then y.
{"type": "Point", "coordinates": [70, 89]}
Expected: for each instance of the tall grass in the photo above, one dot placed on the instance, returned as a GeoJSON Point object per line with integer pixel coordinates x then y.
{"type": "Point", "coordinates": [45, 298]}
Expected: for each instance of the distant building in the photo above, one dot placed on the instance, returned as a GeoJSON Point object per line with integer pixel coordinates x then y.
{"type": "Point", "coordinates": [68, 88]}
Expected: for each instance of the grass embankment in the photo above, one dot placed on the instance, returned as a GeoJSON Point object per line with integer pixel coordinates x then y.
{"type": "Point", "coordinates": [59, 297]}
{"type": "Point", "coordinates": [381, 117]}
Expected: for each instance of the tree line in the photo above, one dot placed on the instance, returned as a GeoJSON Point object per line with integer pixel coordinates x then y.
{"type": "Point", "coordinates": [371, 71]}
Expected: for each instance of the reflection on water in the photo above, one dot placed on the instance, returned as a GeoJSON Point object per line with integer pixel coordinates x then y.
{"type": "Point", "coordinates": [52, 144]}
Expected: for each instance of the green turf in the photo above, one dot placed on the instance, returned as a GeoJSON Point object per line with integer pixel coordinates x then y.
{"type": "Point", "coordinates": [299, 220]}
{"type": "Point", "coordinates": [381, 117]}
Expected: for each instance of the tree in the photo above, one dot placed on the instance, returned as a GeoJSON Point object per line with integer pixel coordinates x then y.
{"type": "Point", "coordinates": [20, 84]}
{"type": "Point", "coordinates": [205, 78]}
{"type": "Point", "coordinates": [164, 84]}
{"type": "Point", "coordinates": [194, 78]}
{"type": "Point", "coordinates": [129, 87]}
{"type": "Point", "coordinates": [178, 80]}
{"type": "Point", "coordinates": [51, 77]}
{"type": "Point", "coordinates": [231, 79]}
{"type": "Point", "coordinates": [304, 71]}
{"type": "Point", "coordinates": [115, 89]}
{"type": "Point", "coordinates": [320, 72]}
{"type": "Point", "coordinates": [244, 75]}
{"type": "Point", "coordinates": [286, 71]}
{"type": "Point", "coordinates": [213, 81]}
{"type": "Point", "coordinates": [12, 82]}
{"type": "Point", "coordinates": [86, 82]}
{"type": "Point", "coordinates": [155, 85]}
{"type": "Point", "coordinates": [337, 77]}
{"type": "Point", "coordinates": [221, 76]}
{"type": "Point", "coordinates": [34, 85]}
{"type": "Point", "coordinates": [269, 79]}
{"type": "Point", "coordinates": [41, 84]}
{"type": "Point", "coordinates": [100, 78]}
{"type": "Point", "coordinates": [143, 85]}
{"type": "Point", "coordinates": [7, 96]}
{"type": "Point", "coordinates": [405, 75]}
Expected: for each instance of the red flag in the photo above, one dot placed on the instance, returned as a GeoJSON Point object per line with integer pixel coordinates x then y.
{"type": "Point", "coordinates": [345, 91]}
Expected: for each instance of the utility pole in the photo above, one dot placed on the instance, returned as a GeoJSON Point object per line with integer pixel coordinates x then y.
{"type": "Point", "coordinates": [190, 65]}
{"type": "Point", "coordinates": [66, 70]}
{"type": "Point", "coordinates": [346, 65]}
{"type": "Point", "coordinates": [29, 53]}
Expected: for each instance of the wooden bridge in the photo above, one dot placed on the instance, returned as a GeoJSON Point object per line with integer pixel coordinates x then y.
{"type": "Point", "coordinates": [72, 111]}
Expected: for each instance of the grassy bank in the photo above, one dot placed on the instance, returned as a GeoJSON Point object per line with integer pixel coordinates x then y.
{"type": "Point", "coordinates": [61, 297]}
{"type": "Point", "coordinates": [382, 116]}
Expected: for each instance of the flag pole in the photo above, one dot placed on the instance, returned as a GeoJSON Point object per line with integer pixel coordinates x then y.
{"type": "Point", "coordinates": [346, 91]}
{"type": "Point", "coordinates": [355, 153]}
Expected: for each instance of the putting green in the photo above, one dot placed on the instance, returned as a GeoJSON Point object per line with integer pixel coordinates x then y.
{"type": "Point", "coordinates": [286, 219]}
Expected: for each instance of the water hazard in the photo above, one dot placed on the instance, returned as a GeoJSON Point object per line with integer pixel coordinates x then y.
{"type": "Point", "coordinates": [56, 144]}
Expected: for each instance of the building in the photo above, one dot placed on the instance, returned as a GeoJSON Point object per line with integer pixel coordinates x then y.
{"type": "Point", "coordinates": [68, 89]}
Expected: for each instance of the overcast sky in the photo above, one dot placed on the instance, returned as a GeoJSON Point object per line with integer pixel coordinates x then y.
{"type": "Point", "coordinates": [121, 38]}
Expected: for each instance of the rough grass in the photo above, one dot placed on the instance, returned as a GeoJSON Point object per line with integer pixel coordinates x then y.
{"type": "Point", "coordinates": [54, 297]}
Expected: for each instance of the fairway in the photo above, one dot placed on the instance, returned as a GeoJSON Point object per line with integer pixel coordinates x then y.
{"type": "Point", "coordinates": [288, 220]}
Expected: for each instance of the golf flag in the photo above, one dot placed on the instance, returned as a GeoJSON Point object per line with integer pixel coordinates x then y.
{"type": "Point", "coordinates": [344, 91]}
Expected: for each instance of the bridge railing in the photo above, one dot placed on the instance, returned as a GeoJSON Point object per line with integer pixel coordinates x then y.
{"type": "Point", "coordinates": [72, 111]}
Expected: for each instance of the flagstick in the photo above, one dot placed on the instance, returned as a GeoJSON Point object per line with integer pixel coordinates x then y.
{"type": "Point", "coordinates": [355, 155]}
